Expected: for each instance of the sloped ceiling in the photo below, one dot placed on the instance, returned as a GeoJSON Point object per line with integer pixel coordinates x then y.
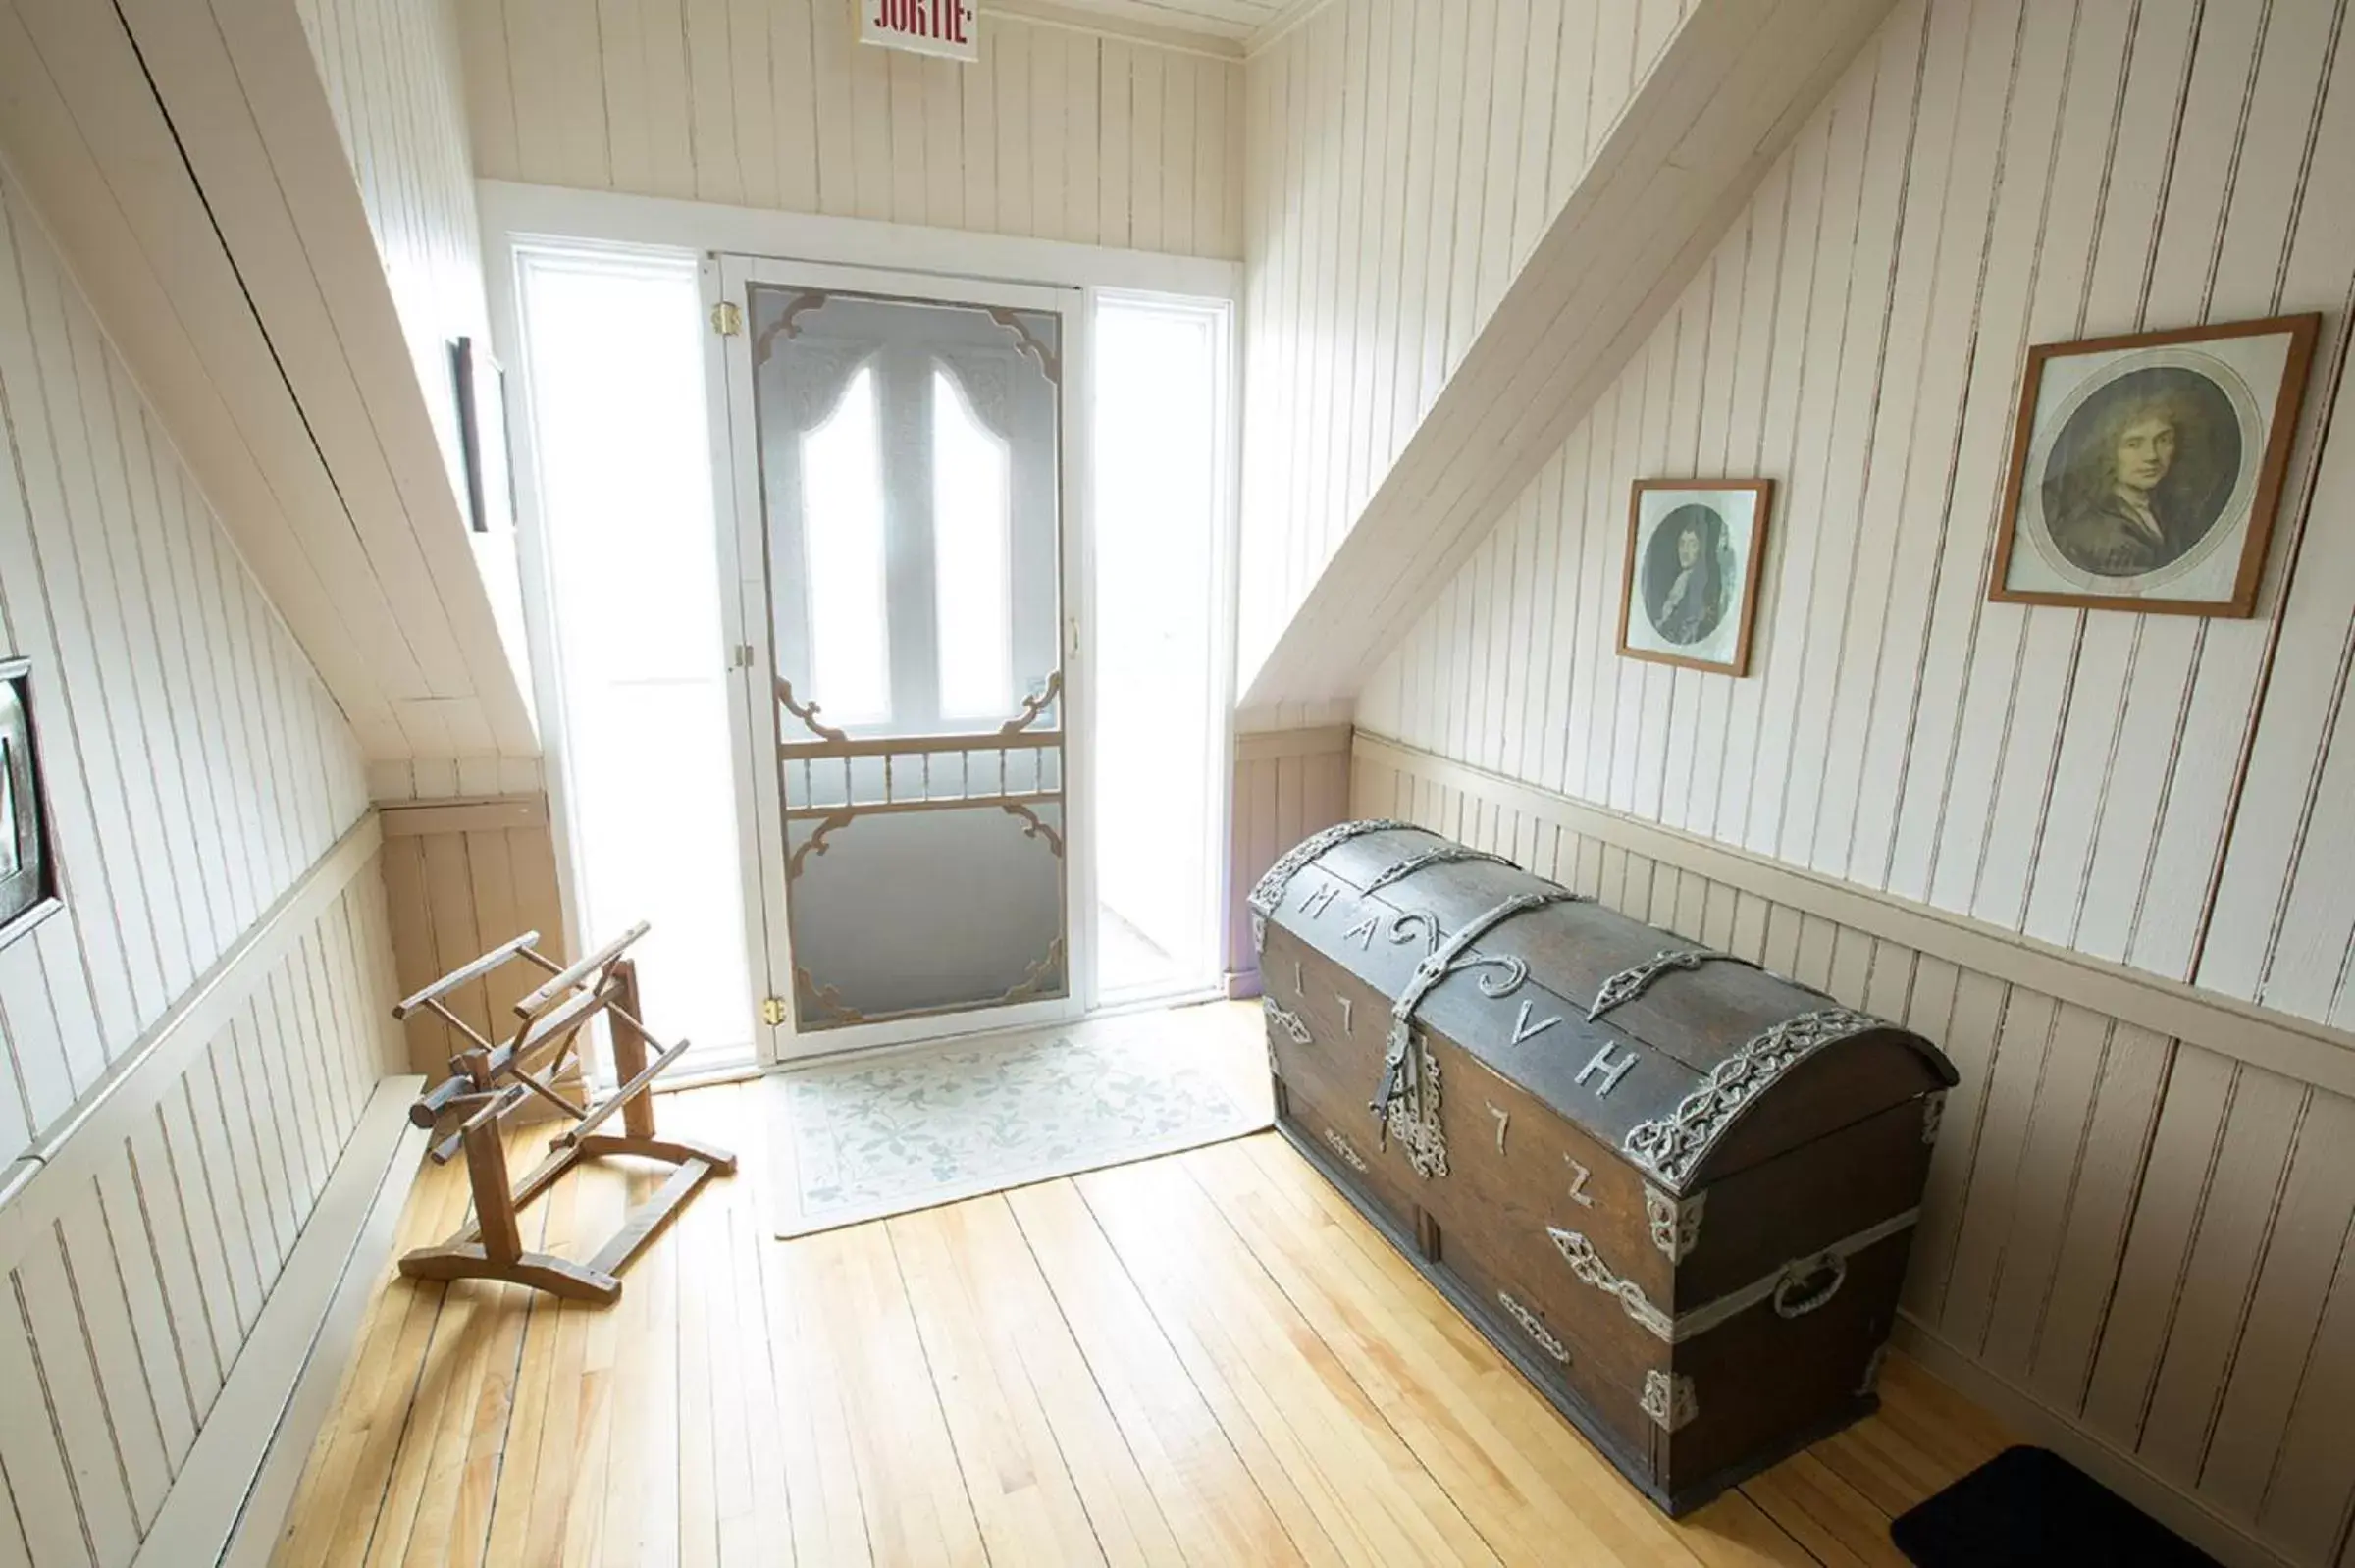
{"type": "Point", "coordinates": [1728, 92]}
{"type": "Point", "coordinates": [219, 231]}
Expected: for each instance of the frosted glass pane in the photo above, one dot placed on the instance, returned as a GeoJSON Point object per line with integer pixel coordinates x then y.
{"type": "Point", "coordinates": [969, 540]}
{"type": "Point", "coordinates": [842, 508]}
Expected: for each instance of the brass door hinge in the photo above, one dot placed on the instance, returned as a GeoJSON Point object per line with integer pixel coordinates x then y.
{"type": "Point", "coordinates": [773, 1011]}
{"type": "Point", "coordinates": [726, 319]}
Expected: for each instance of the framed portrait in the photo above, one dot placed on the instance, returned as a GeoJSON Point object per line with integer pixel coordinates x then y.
{"type": "Point", "coordinates": [2146, 469]}
{"type": "Point", "coordinates": [1690, 591]}
{"type": "Point", "coordinates": [28, 877]}
{"type": "Point", "coordinates": [480, 385]}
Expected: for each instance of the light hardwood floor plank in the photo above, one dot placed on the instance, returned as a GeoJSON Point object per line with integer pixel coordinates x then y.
{"type": "Point", "coordinates": [1217, 1484]}
{"type": "Point", "coordinates": [1207, 1358]}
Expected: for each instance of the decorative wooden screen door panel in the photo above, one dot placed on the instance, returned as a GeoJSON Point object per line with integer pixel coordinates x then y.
{"type": "Point", "coordinates": [910, 481]}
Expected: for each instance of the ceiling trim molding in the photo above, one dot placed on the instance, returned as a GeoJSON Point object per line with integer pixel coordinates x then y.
{"type": "Point", "coordinates": [1121, 29]}
{"type": "Point", "coordinates": [1282, 25]}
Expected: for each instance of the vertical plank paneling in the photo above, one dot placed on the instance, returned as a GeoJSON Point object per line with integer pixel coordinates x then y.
{"type": "Point", "coordinates": [1403, 158]}
{"type": "Point", "coordinates": [448, 896]}
{"type": "Point", "coordinates": [167, 828]}
{"type": "Point", "coordinates": [1986, 176]}
{"type": "Point", "coordinates": [1055, 132]}
{"type": "Point", "coordinates": [1286, 788]}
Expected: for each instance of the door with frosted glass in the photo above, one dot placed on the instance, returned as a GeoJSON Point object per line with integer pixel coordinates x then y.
{"type": "Point", "coordinates": [910, 497]}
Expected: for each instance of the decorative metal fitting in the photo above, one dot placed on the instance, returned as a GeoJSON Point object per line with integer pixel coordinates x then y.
{"type": "Point", "coordinates": [1870, 1383]}
{"type": "Point", "coordinates": [1348, 1152]}
{"type": "Point", "coordinates": [1286, 1020]}
{"type": "Point", "coordinates": [1413, 1119]}
{"type": "Point", "coordinates": [1406, 1102]}
{"type": "Point", "coordinates": [1794, 1291]}
{"type": "Point", "coordinates": [1792, 1301]}
{"type": "Point", "coordinates": [1535, 1329]}
{"type": "Point", "coordinates": [1671, 1402]}
{"type": "Point", "coordinates": [1675, 1224]}
{"type": "Point", "coordinates": [1933, 1115]}
{"type": "Point", "coordinates": [1268, 896]}
{"type": "Point", "coordinates": [1587, 1263]}
{"type": "Point", "coordinates": [1672, 1147]}
{"type": "Point", "coordinates": [1445, 855]}
{"type": "Point", "coordinates": [1633, 981]}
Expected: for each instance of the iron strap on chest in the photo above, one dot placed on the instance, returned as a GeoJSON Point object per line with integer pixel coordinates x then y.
{"type": "Point", "coordinates": [1407, 1100]}
{"type": "Point", "coordinates": [1268, 896]}
{"type": "Point", "coordinates": [1672, 1147]}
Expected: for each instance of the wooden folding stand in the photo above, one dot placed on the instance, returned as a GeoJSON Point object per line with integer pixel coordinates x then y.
{"type": "Point", "coordinates": [489, 1080]}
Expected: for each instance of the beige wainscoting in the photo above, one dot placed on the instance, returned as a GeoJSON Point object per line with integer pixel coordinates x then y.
{"type": "Point", "coordinates": [463, 874]}
{"type": "Point", "coordinates": [172, 1248]}
{"type": "Point", "coordinates": [2135, 1243]}
{"type": "Point", "coordinates": [1288, 784]}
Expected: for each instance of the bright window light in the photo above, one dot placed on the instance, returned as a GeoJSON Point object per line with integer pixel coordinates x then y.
{"type": "Point", "coordinates": [842, 540]}
{"type": "Point", "coordinates": [624, 478]}
{"type": "Point", "coordinates": [1159, 675]}
{"type": "Point", "coordinates": [971, 569]}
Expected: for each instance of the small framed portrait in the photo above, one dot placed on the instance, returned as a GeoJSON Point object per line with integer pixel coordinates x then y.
{"type": "Point", "coordinates": [1691, 591]}
{"type": "Point", "coordinates": [2145, 469]}
{"type": "Point", "coordinates": [480, 385]}
{"type": "Point", "coordinates": [28, 877]}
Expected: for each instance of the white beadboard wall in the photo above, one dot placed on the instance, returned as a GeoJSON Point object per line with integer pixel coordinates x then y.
{"type": "Point", "coordinates": [392, 77]}
{"type": "Point", "coordinates": [393, 73]}
{"type": "Point", "coordinates": [131, 1301]}
{"type": "Point", "coordinates": [2165, 791]}
{"type": "Point", "coordinates": [1403, 158]}
{"type": "Point", "coordinates": [1056, 132]}
{"type": "Point", "coordinates": [195, 764]}
{"type": "Point", "coordinates": [206, 1012]}
{"type": "Point", "coordinates": [2144, 1240]}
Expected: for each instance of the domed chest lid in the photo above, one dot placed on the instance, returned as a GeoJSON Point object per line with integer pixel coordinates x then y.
{"type": "Point", "coordinates": [1692, 1063]}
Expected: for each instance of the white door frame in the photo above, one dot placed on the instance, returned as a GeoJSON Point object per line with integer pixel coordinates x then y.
{"type": "Point", "coordinates": [515, 216]}
{"type": "Point", "coordinates": [747, 617]}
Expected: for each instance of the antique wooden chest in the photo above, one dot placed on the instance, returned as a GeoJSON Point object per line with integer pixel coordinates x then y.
{"type": "Point", "coordinates": [1676, 1190]}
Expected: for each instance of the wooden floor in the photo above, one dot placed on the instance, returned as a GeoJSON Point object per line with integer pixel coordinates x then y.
{"type": "Point", "coordinates": [1207, 1359]}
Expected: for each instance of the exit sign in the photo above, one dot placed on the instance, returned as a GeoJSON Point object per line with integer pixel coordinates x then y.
{"type": "Point", "coordinates": [943, 27]}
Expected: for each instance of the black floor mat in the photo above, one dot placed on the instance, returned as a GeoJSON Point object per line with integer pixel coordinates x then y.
{"type": "Point", "coordinates": [2029, 1506]}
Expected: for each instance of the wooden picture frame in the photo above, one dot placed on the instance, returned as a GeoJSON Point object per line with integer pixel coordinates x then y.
{"type": "Point", "coordinates": [479, 382]}
{"type": "Point", "coordinates": [2202, 416]}
{"type": "Point", "coordinates": [28, 885]}
{"type": "Point", "coordinates": [1725, 523]}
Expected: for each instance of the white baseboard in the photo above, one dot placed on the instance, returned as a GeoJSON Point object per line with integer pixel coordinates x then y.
{"type": "Point", "coordinates": [231, 1498]}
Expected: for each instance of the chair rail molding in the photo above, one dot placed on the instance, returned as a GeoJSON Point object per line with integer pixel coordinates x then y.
{"type": "Point", "coordinates": [2312, 1053]}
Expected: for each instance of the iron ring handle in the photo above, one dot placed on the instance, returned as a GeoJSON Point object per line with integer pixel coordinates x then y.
{"type": "Point", "coordinates": [1790, 1302]}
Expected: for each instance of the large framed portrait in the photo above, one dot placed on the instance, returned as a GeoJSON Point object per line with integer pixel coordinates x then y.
{"type": "Point", "coordinates": [1691, 588]}
{"type": "Point", "coordinates": [2146, 469]}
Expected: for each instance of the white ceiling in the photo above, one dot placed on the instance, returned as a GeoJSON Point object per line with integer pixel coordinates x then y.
{"type": "Point", "coordinates": [1220, 26]}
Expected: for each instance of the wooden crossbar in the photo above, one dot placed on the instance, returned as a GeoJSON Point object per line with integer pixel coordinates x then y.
{"type": "Point", "coordinates": [489, 1080]}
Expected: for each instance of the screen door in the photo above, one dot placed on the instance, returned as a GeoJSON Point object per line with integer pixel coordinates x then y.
{"type": "Point", "coordinates": [910, 485]}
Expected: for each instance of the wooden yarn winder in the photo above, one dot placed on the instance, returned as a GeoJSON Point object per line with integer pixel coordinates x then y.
{"type": "Point", "coordinates": [489, 1080]}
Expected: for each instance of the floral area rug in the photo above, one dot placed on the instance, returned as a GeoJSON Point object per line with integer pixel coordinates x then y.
{"type": "Point", "coordinates": [866, 1137]}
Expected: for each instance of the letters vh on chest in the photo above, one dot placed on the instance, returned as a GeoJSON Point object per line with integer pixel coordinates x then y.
{"type": "Point", "coordinates": [1676, 1190]}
